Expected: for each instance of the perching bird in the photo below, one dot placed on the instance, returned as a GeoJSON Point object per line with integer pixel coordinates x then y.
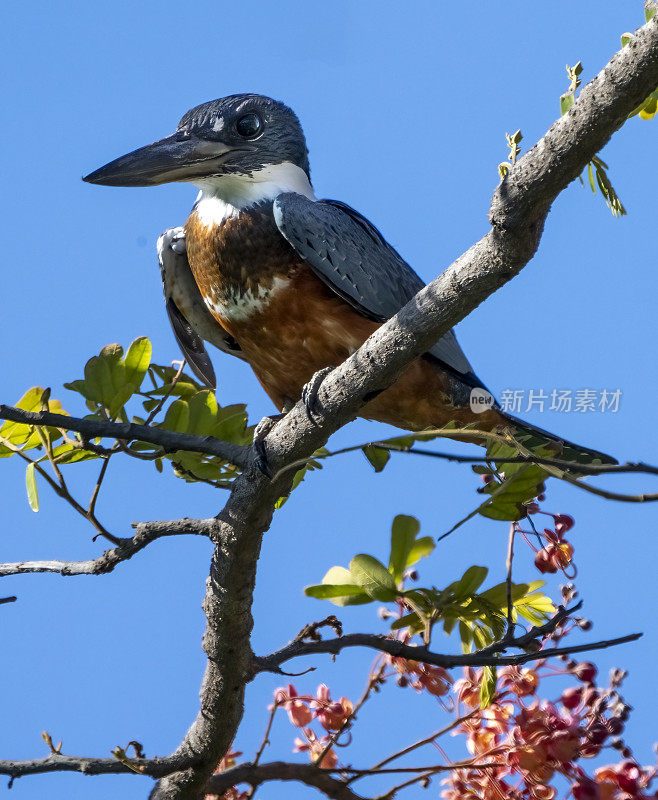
{"type": "Point", "coordinates": [290, 283]}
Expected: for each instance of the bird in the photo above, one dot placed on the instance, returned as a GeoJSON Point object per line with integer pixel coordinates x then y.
{"type": "Point", "coordinates": [292, 284]}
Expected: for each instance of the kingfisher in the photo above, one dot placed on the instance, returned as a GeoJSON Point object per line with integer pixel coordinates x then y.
{"type": "Point", "coordinates": [292, 284]}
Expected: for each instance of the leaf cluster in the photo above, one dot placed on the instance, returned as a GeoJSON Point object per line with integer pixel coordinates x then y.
{"type": "Point", "coordinates": [112, 386]}
{"type": "Point", "coordinates": [479, 616]}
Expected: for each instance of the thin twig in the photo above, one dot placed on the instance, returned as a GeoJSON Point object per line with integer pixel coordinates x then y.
{"type": "Point", "coordinates": [496, 492]}
{"type": "Point", "coordinates": [265, 741]}
{"type": "Point", "coordinates": [11, 599]}
{"type": "Point", "coordinates": [99, 481]}
{"type": "Point", "coordinates": [623, 498]}
{"type": "Point", "coordinates": [390, 794]}
{"type": "Point", "coordinates": [563, 466]}
{"type": "Point", "coordinates": [362, 773]}
{"type": "Point", "coordinates": [266, 735]}
{"type": "Point", "coordinates": [509, 635]}
{"type": "Point", "coordinates": [154, 413]}
{"type": "Point", "coordinates": [427, 740]}
{"type": "Point", "coordinates": [395, 647]}
{"type": "Point", "coordinates": [154, 456]}
{"type": "Point", "coordinates": [125, 549]}
{"type": "Point", "coordinates": [215, 484]}
{"type": "Point", "coordinates": [373, 680]}
{"type": "Point", "coordinates": [62, 491]}
{"type": "Point", "coordinates": [128, 431]}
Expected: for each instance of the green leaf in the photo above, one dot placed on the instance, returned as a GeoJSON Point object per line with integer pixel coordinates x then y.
{"type": "Point", "coordinates": [99, 374]}
{"type": "Point", "coordinates": [650, 106]}
{"type": "Point", "coordinates": [522, 483]}
{"type": "Point", "coordinates": [373, 577]}
{"type": "Point", "coordinates": [470, 582]}
{"type": "Point", "coordinates": [203, 410]}
{"type": "Point", "coordinates": [177, 417]}
{"type": "Point", "coordinates": [231, 424]}
{"type": "Point", "coordinates": [625, 38]}
{"type": "Point", "coordinates": [590, 175]}
{"type": "Point", "coordinates": [566, 101]}
{"type": "Point", "coordinates": [466, 636]}
{"type": "Point", "coordinates": [79, 386]}
{"type": "Point", "coordinates": [65, 453]}
{"type": "Point", "coordinates": [421, 547]}
{"type": "Point", "coordinates": [182, 388]}
{"type": "Point", "coordinates": [649, 14]}
{"type": "Point", "coordinates": [403, 536]}
{"type": "Point", "coordinates": [411, 621]}
{"type": "Point", "coordinates": [111, 380]}
{"type": "Point", "coordinates": [339, 587]}
{"type": "Point", "coordinates": [487, 686]}
{"type": "Point", "coordinates": [137, 361]}
{"type": "Point", "coordinates": [377, 456]}
{"type": "Point", "coordinates": [338, 595]}
{"type": "Point", "coordinates": [119, 400]}
{"type": "Point", "coordinates": [31, 486]}
{"type": "Point", "coordinates": [25, 436]}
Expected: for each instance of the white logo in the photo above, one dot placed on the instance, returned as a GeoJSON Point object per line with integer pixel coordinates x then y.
{"type": "Point", "coordinates": [481, 400]}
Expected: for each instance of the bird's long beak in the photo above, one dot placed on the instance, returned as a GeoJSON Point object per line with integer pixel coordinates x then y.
{"type": "Point", "coordinates": [175, 158]}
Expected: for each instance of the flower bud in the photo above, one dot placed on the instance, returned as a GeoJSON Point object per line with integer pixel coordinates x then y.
{"type": "Point", "coordinates": [563, 523]}
{"type": "Point", "coordinates": [585, 671]}
{"type": "Point", "coordinates": [572, 698]}
{"type": "Point", "coordinates": [543, 561]}
{"type": "Point", "coordinates": [597, 733]}
{"type": "Point", "coordinates": [585, 789]}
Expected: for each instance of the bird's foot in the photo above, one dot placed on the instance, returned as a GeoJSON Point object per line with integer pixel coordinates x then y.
{"type": "Point", "coordinates": [310, 392]}
{"type": "Point", "coordinates": [260, 434]}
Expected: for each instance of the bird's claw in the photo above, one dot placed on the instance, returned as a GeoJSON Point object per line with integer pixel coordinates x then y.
{"type": "Point", "coordinates": [310, 392]}
{"type": "Point", "coordinates": [260, 433]}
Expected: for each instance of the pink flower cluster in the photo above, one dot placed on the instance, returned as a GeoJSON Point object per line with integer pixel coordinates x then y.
{"type": "Point", "coordinates": [557, 552]}
{"type": "Point", "coordinates": [421, 677]}
{"type": "Point", "coordinates": [332, 715]}
{"type": "Point", "coordinates": [530, 741]}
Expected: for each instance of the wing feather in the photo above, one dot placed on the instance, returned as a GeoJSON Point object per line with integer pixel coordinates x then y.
{"type": "Point", "coordinates": [349, 254]}
{"type": "Point", "coordinates": [190, 319]}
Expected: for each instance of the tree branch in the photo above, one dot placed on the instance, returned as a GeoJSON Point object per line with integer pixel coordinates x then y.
{"type": "Point", "coordinates": [584, 469]}
{"type": "Point", "coordinates": [398, 649]}
{"type": "Point", "coordinates": [58, 762]}
{"type": "Point", "coordinates": [170, 441]}
{"type": "Point", "coordinates": [147, 532]}
{"type": "Point", "coordinates": [254, 775]}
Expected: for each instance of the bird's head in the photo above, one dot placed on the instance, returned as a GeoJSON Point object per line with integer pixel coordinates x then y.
{"type": "Point", "coordinates": [243, 136]}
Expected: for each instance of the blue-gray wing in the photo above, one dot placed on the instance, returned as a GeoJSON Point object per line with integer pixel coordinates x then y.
{"type": "Point", "coordinates": [351, 256]}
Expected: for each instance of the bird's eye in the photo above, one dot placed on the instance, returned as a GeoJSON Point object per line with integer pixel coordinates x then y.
{"type": "Point", "coordinates": [249, 125]}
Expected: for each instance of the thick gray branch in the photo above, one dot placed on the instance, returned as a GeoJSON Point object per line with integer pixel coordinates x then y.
{"type": "Point", "coordinates": [147, 532]}
{"type": "Point", "coordinates": [170, 441]}
{"type": "Point", "coordinates": [518, 212]}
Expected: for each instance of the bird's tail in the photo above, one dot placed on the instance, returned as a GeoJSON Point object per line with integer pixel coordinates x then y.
{"type": "Point", "coordinates": [533, 437]}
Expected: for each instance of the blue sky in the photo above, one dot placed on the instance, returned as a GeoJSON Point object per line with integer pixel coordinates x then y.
{"type": "Point", "coordinates": [405, 108]}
